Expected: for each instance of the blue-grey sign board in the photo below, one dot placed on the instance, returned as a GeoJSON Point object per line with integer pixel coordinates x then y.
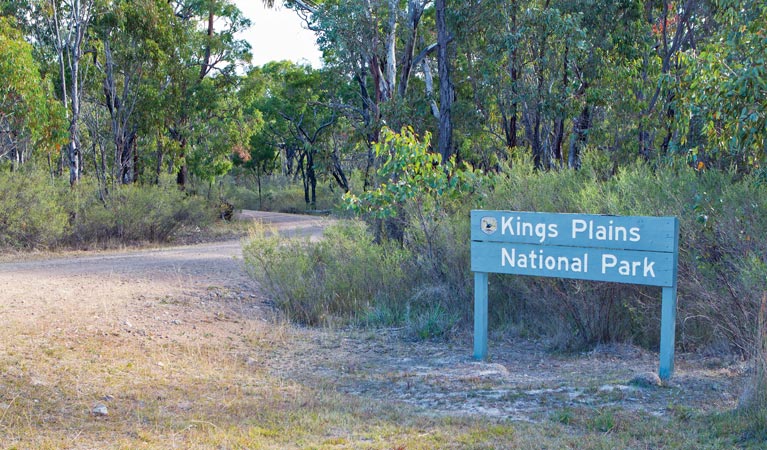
{"type": "Point", "coordinates": [656, 234]}
{"type": "Point", "coordinates": [621, 266]}
{"type": "Point", "coordinates": [623, 249]}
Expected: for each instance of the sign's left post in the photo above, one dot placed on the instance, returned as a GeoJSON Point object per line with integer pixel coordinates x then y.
{"type": "Point", "coordinates": [480, 315]}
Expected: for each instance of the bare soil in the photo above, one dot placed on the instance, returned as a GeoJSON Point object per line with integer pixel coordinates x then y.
{"type": "Point", "coordinates": [193, 293]}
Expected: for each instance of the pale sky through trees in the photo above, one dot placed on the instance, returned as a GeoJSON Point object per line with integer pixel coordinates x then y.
{"type": "Point", "coordinates": [278, 34]}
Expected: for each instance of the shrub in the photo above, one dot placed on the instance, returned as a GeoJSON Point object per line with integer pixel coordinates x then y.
{"type": "Point", "coordinates": [721, 262]}
{"type": "Point", "coordinates": [31, 215]}
{"type": "Point", "coordinates": [348, 278]}
{"type": "Point", "coordinates": [135, 213]}
{"type": "Point", "coordinates": [343, 276]}
{"type": "Point", "coordinates": [722, 258]}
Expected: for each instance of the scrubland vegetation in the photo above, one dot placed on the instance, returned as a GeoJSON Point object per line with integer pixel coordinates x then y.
{"type": "Point", "coordinates": [418, 277]}
{"type": "Point", "coordinates": [423, 280]}
{"type": "Point", "coordinates": [38, 212]}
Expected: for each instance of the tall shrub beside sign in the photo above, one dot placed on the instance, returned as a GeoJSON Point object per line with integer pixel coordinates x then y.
{"type": "Point", "coordinates": [622, 249]}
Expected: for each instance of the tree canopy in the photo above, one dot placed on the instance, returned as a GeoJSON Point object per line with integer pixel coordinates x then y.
{"type": "Point", "coordinates": [152, 86]}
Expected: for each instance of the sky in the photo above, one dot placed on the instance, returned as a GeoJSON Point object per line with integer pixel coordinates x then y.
{"type": "Point", "coordinates": [278, 34]}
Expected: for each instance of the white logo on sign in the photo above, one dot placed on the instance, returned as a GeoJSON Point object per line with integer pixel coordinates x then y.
{"type": "Point", "coordinates": [489, 225]}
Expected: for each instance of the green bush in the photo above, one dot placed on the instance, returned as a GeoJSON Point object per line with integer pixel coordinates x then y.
{"type": "Point", "coordinates": [38, 212]}
{"type": "Point", "coordinates": [31, 214]}
{"type": "Point", "coordinates": [135, 213]}
{"type": "Point", "coordinates": [721, 259]}
{"type": "Point", "coordinates": [722, 263]}
{"type": "Point", "coordinates": [342, 276]}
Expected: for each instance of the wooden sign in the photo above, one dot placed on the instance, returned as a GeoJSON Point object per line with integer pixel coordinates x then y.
{"type": "Point", "coordinates": [622, 249]}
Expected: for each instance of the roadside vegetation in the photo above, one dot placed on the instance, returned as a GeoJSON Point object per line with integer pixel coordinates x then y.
{"type": "Point", "coordinates": [408, 263]}
{"type": "Point", "coordinates": [37, 212]}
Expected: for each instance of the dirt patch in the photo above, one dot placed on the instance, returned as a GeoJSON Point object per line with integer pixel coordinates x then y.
{"type": "Point", "coordinates": [200, 293]}
{"type": "Point", "coordinates": [522, 381]}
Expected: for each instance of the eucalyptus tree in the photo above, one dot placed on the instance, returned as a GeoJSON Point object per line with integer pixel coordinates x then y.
{"type": "Point", "coordinates": [28, 120]}
{"type": "Point", "coordinates": [669, 30]}
{"type": "Point", "coordinates": [297, 114]}
{"type": "Point", "coordinates": [446, 88]}
{"type": "Point", "coordinates": [208, 53]}
{"type": "Point", "coordinates": [724, 120]}
{"type": "Point", "coordinates": [383, 47]}
{"type": "Point", "coordinates": [133, 41]}
{"type": "Point", "coordinates": [68, 23]}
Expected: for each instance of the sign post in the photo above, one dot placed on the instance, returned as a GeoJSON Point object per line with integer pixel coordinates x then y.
{"type": "Point", "coordinates": [480, 315]}
{"type": "Point", "coordinates": [622, 249]}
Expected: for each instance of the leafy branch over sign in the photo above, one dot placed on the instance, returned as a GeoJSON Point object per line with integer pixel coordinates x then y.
{"type": "Point", "coordinates": [410, 171]}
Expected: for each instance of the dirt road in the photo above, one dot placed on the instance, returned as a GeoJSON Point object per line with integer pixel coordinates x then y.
{"type": "Point", "coordinates": [58, 309]}
{"type": "Point", "coordinates": [101, 289]}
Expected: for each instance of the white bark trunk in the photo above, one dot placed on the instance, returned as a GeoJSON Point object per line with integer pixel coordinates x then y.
{"type": "Point", "coordinates": [390, 78]}
{"type": "Point", "coordinates": [429, 81]}
{"type": "Point", "coordinates": [80, 17]}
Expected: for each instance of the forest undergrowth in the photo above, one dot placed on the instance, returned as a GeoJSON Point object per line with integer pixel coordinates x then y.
{"type": "Point", "coordinates": [420, 277]}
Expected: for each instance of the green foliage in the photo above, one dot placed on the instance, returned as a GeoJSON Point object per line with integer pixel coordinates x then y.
{"type": "Point", "coordinates": [31, 213]}
{"type": "Point", "coordinates": [26, 113]}
{"type": "Point", "coordinates": [39, 212]}
{"type": "Point", "coordinates": [135, 213]}
{"type": "Point", "coordinates": [292, 100]}
{"type": "Point", "coordinates": [722, 263]}
{"type": "Point", "coordinates": [341, 277]}
{"type": "Point", "coordinates": [410, 172]}
{"type": "Point", "coordinates": [725, 89]}
{"type": "Point", "coordinates": [720, 267]}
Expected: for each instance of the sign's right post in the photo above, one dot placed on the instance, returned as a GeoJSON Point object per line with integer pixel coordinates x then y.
{"type": "Point", "coordinates": [668, 318]}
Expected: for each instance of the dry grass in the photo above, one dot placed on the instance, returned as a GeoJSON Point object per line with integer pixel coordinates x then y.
{"type": "Point", "coordinates": [211, 394]}
{"type": "Point", "coordinates": [217, 388]}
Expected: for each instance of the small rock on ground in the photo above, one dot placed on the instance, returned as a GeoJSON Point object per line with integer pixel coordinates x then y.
{"type": "Point", "coordinates": [100, 410]}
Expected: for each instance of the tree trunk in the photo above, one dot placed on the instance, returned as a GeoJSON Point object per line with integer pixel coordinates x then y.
{"type": "Point", "coordinates": [368, 112]}
{"type": "Point", "coordinates": [539, 156]}
{"type": "Point", "coordinates": [120, 112]}
{"type": "Point", "coordinates": [60, 52]}
{"type": "Point", "coordinates": [183, 172]}
{"type": "Point", "coordinates": [75, 51]}
{"type": "Point", "coordinates": [511, 133]}
{"type": "Point", "coordinates": [446, 90]}
{"type": "Point", "coordinates": [390, 75]}
{"type": "Point", "coordinates": [579, 138]}
{"type": "Point", "coordinates": [414, 13]}
{"type": "Point", "coordinates": [559, 126]}
{"type": "Point", "coordinates": [258, 182]}
{"type": "Point", "coordinates": [337, 170]}
{"type": "Point", "coordinates": [429, 83]}
{"type": "Point", "coordinates": [311, 178]}
{"type": "Point", "coordinates": [509, 119]}
{"type": "Point", "coordinates": [182, 177]}
{"type": "Point", "coordinates": [205, 66]}
{"type": "Point", "coordinates": [160, 156]}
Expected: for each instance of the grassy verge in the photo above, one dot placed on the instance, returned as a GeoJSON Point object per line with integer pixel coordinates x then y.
{"type": "Point", "coordinates": [206, 395]}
